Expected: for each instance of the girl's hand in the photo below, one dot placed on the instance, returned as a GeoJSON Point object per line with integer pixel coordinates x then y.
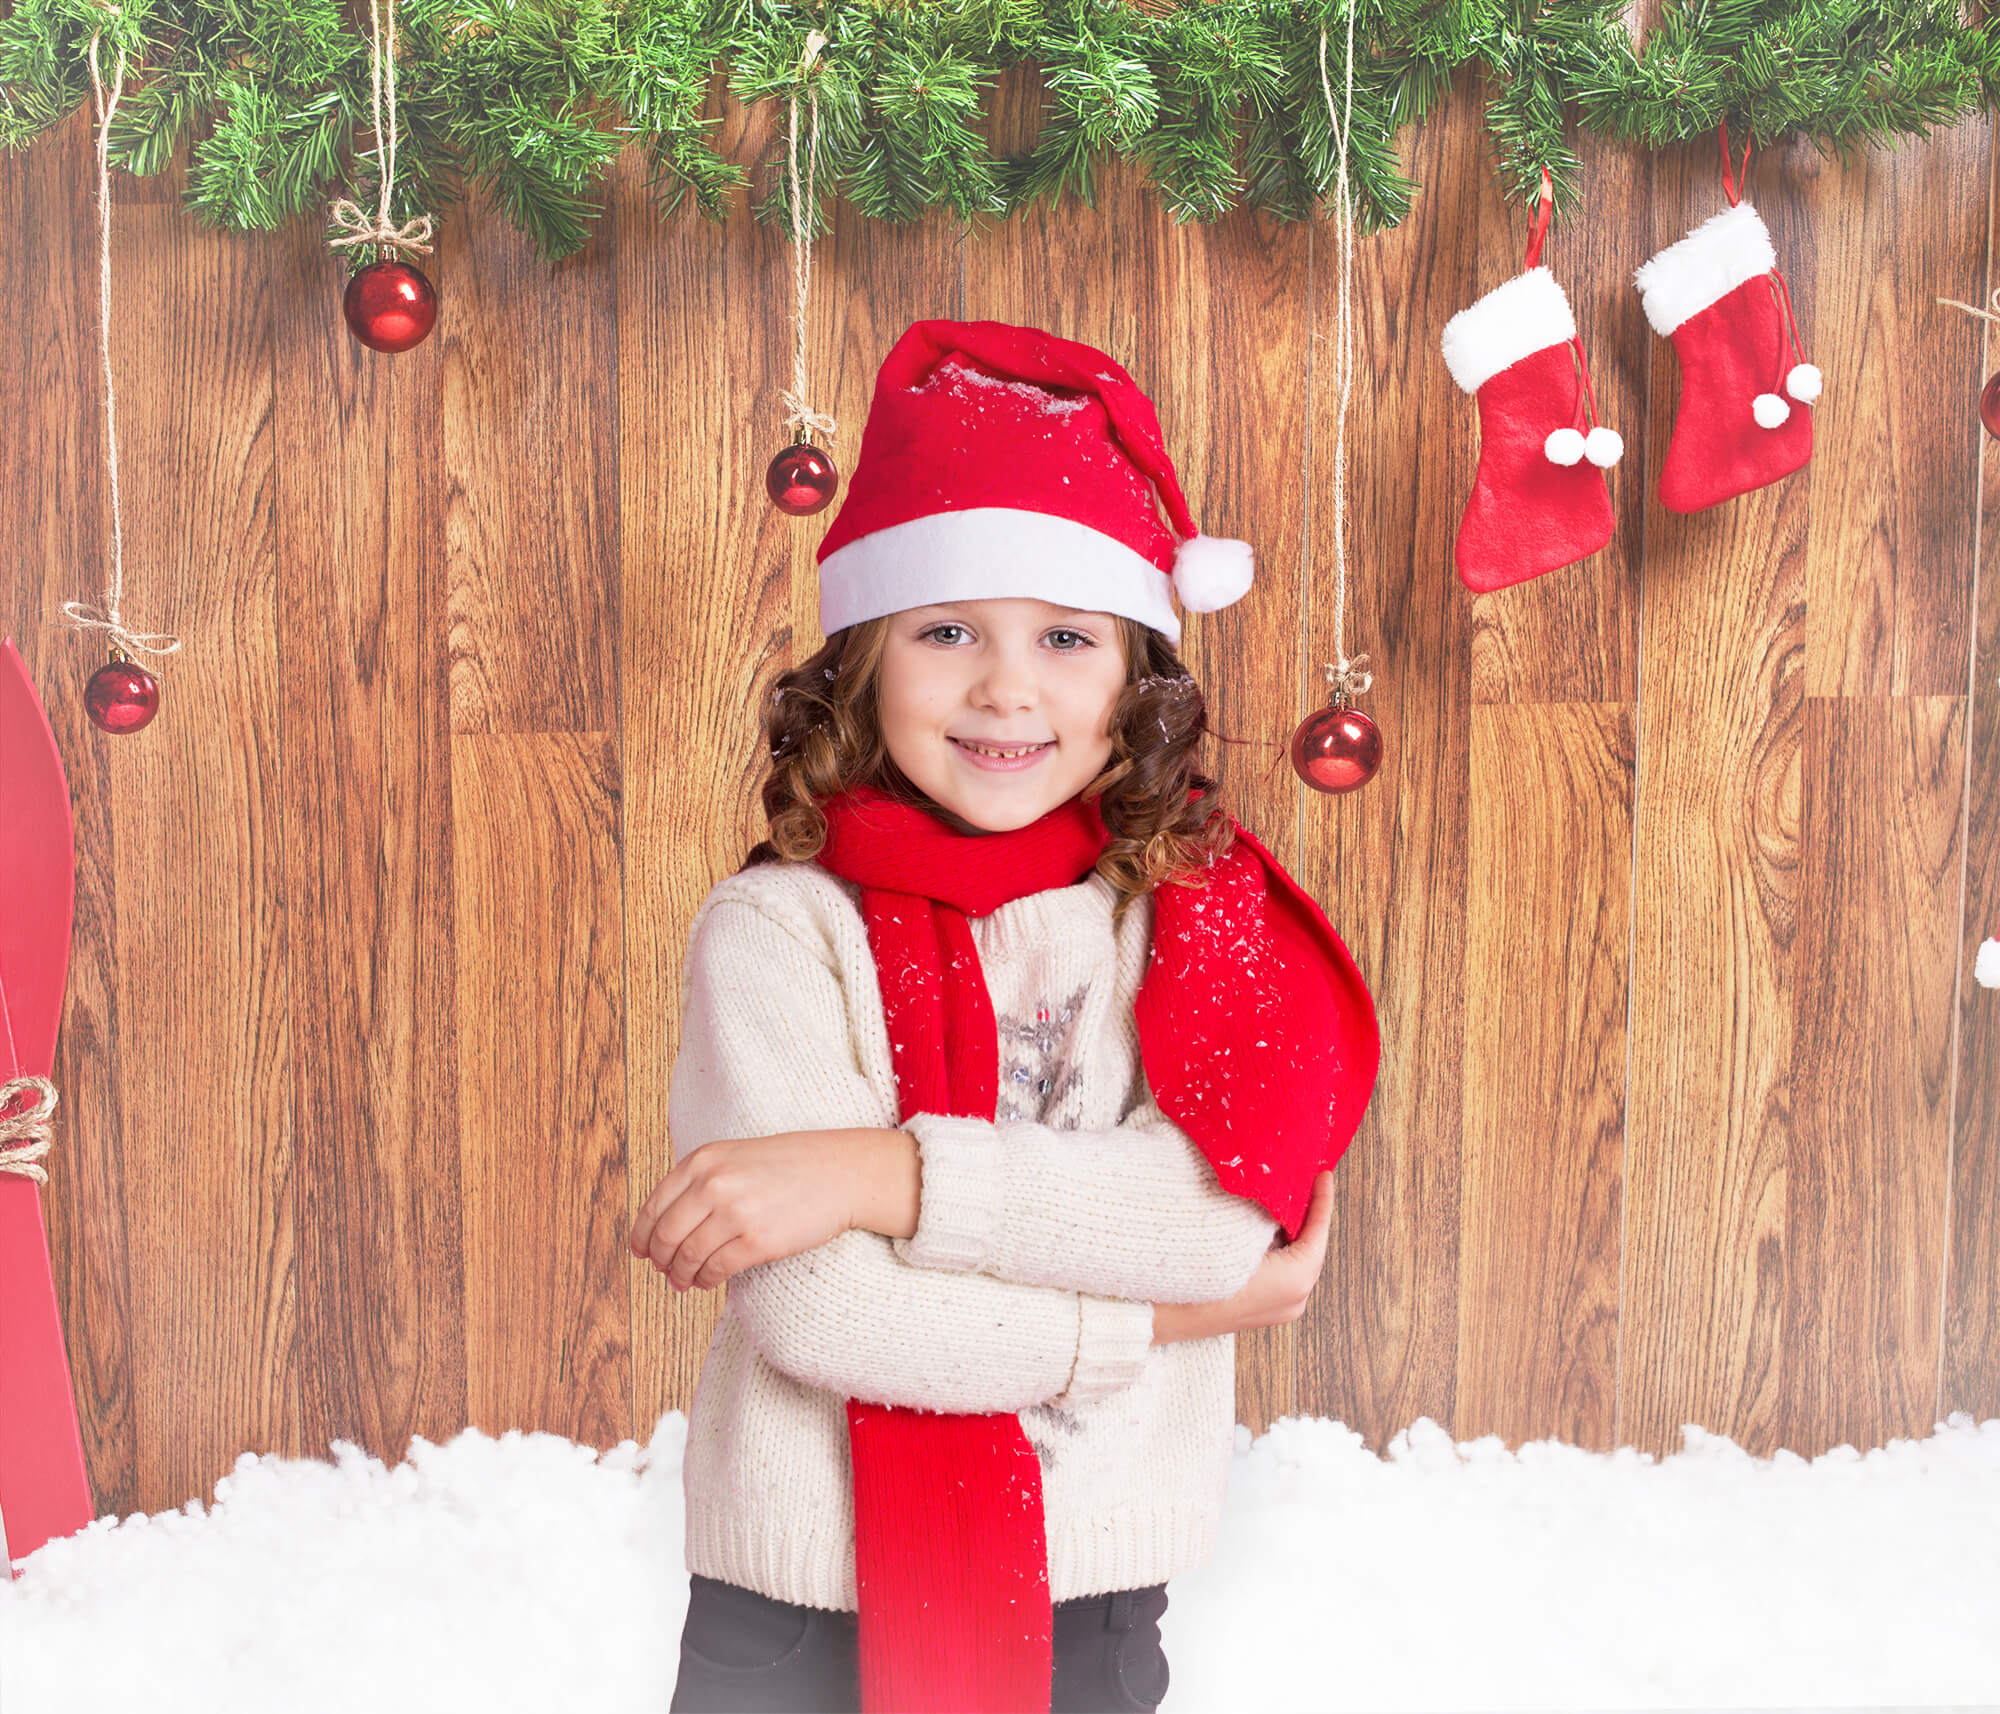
{"type": "Point", "coordinates": [739, 1201]}
{"type": "Point", "coordinates": [1276, 1292]}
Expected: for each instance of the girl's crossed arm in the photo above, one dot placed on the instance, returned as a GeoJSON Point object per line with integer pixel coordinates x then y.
{"type": "Point", "coordinates": [1134, 1212]}
{"type": "Point", "coordinates": [765, 1051]}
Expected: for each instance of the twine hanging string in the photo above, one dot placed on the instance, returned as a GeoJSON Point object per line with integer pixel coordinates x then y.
{"type": "Point", "coordinates": [1992, 314]}
{"type": "Point", "coordinates": [799, 415]}
{"type": "Point", "coordinates": [80, 613]}
{"type": "Point", "coordinates": [414, 235]}
{"type": "Point", "coordinates": [1347, 677]}
{"type": "Point", "coordinates": [24, 1137]}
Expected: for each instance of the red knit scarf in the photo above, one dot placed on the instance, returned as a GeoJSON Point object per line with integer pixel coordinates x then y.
{"type": "Point", "coordinates": [1258, 1039]}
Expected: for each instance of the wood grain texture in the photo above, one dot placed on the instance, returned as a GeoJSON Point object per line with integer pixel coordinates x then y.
{"type": "Point", "coordinates": [1969, 1347]}
{"type": "Point", "coordinates": [1667, 891]}
{"type": "Point", "coordinates": [368, 850]}
{"type": "Point", "coordinates": [1389, 861]}
{"type": "Point", "coordinates": [541, 1085]}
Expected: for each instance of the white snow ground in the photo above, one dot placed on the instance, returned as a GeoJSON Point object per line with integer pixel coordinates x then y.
{"type": "Point", "coordinates": [529, 1572]}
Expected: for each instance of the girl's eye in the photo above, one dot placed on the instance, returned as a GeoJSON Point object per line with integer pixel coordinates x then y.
{"type": "Point", "coordinates": [1083, 641]}
{"type": "Point", "coordinates": [932, 633]}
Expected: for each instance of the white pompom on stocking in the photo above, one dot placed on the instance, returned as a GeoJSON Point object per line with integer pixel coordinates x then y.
{"type": "Point", "coordinates": [1986, 968]}
{"type": "Point", "coordinates": [1565, 446]}
{"type": "Point", "coordinates": [1769, 410]}
{"type": "Point", "coordinates": [1212, 571]}
{"type": "Point", "coordinates": [1804, 382]}
{"type": "Point", "coordinates": [1603, 446]}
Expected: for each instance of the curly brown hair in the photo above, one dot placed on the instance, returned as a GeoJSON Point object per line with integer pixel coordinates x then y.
{"type": "Point", "coordinates": [821, 736]}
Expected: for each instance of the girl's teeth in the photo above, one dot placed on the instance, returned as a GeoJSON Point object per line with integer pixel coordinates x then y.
{"type": "Point", "coordinates": [984, 751]}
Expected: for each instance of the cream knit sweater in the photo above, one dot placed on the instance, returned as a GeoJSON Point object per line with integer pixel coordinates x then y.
{"type": "Point", "coordinates": [1043, 1239]}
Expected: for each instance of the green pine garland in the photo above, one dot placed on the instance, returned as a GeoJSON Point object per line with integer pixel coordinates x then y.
{"type": "Point", "coordinates": [1221, 102]}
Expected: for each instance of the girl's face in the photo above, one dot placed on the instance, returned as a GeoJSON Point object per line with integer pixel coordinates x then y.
{"type": "Point", "coordinates": [966, 677]}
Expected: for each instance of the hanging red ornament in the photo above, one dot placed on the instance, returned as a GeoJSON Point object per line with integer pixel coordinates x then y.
{"type": "Point", "coordinates": [1337, 748]}
{"type": "Point", "coordinates": [801, 479]}
{"type": "Point", "coordinates": [390, 306]}
{"type": "Point", "coordinates": [122, 696]}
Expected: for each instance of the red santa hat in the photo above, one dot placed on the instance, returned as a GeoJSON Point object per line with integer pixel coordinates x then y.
{"type": "Point", "coordinates": [1001, 460]}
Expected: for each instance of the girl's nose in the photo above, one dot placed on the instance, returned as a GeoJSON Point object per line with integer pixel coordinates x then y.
{"type": "Point", "coordinates": [1005, 684]}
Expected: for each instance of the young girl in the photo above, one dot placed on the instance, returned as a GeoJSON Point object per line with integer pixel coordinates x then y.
{"type": "Point", "coordinates": [992, 1134]}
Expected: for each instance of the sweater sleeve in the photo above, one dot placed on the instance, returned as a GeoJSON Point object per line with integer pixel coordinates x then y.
{"type": "Point", "coordinates": [1136, 1211]}
{"type": "Point", "coordinates": [766, 1047]}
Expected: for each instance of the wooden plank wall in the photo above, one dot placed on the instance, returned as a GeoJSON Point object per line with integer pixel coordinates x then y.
{"type": "Point", "coordinates": [1667, 891]}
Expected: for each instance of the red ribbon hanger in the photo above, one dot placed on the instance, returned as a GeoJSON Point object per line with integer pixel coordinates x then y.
{"type": "Point", "coordinates": [1544, 207]}
{"type": "Point", "coordinates": [1734, 184]}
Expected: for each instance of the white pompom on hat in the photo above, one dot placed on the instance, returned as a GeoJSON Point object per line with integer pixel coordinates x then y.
{"type": "Point", "coordinates": [1004, 461]}
{"type": "Point", "coordinates": [1212, 571]}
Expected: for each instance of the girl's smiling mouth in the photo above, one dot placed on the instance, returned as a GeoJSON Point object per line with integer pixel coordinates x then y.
{"type": "Point", "coordinates": [997, 759]}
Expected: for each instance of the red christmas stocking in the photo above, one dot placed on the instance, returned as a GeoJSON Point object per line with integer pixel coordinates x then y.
{"type": "Point", "coordinates": [1538, 497]}
{"type": "Point", "coordinates": [1718, 295]}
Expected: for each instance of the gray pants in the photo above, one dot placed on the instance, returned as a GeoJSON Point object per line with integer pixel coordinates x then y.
{"type": "Point", "coordinates": [744, 1653]}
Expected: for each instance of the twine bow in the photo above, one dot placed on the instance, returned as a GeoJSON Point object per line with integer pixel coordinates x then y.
{"type": "Point", "coordinates": [1347, 679]}
{"type": "Point", "coordinates": [414, 235]}
{"type": "Point", "coordinates": [85, 617]}
{"type": "Point", "coordinates": [799, 414]}
{"type": "Point", "coordinates": [24, 1136]}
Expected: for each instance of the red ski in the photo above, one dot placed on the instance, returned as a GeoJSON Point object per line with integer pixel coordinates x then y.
{"type": "Point", "coordinates": [44, 1491]}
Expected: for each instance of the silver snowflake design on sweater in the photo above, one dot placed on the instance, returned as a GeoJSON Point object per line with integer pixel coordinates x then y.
{"type": "Point", "coordinates": [1035, 1076]}
{"type": "Point", "coordinates": [1045, 1417]}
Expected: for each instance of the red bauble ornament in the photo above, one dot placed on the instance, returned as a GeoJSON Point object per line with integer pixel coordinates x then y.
{"type": "Point", "coordinates": [1989, 407]}
{"type": "Point", "coordinates": [122, 695]}
{"type": "Point", "coordinates": [389, 306]}
{"type": "Point", "coordinates": [801, 479]}
{"type": "Point", "coordinates": [1336, 748]}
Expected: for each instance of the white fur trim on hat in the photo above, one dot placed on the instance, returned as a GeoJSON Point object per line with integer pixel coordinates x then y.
{"type": "Point", "coordinates": [1212, 571]}
{"type": "Point", "coordinates": [1514, 320]}
{"type": "Point", "coordinates": [1709, 263]}
{"type": "Point", "coordinates": [979, 553]}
